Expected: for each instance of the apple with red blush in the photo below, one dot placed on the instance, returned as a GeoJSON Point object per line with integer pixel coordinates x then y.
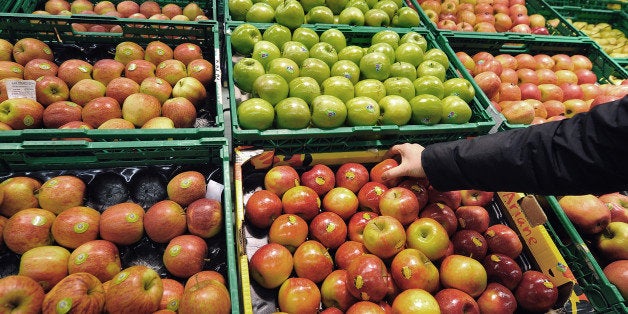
{"type": "Point", "coordinates": [453, 199]}
{"type": "Point", "coordinates": [334, 293]}
{"type": "Point", "coordinates": [469, 243]}
{"type": "Point", "coordinates": [376, 172]}
{"type": "Point", "coordinates": [497, 299]}
{"type": "Point", "coordinates": [288, 230]}
{"type": "Point", "coordinates": [476, 197]}
{"type": "Point", "coordinates": [262, 208]}
{"type": "Point", "coordinates": [503, 239]}
{"type": "Point", "coordinates": [443, 214]}
{"type": "Point", "coordinates": [452, 301]}
{"type": "Point", "coordinates": [301, 200]}
{"type": "Point", "coordinates": [411, 269]}
{"type": "Point", "coordinates": [419, 187]}
{"type": "Point", "coordinates": [400, 203]}
{"type": "Point", "coordinates": [329, 229]}
{"type": "Point", "coordinates": [313, 261]}
{"type": "Point", "coordinates": [281, 178]}
{"type": "Point", "coordinates": [347, 251]}
{"type": "Point", "coordinates": [617, 204]}
{"type": "Point", "coordinates": [384, 236]}
{"type": "Point", "coordinates": [356, 225]}
{"type": "Point", "coordinates": [367, 278]}
{"type": "Point", "coordinates": [536, 292]}
{"type": "Point", "coordinates": [341, 201]}
{"type": "Point", "coordinates": [502, 269]}
{"type": "Point", "coordinates": [271, 265]}
{"type": "Point", "coordinates": [369, 196]}
{"type": "Point", "coordinates": [473, 217]}
{"type": "Point", "coordinates": [320, 178]}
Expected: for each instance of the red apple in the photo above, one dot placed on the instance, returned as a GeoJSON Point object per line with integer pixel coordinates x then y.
{"type": "Point", "coordinates": [546, 76]}
{"type": "Point", "coordinates": [39, 67]}
{"type": "Point", "coordinates": [400, 203]}
{"type": "Point", "coordinates": [502, 269]}
{"type": "Point", "coordinates": [271, 265]}
{"type": "Point", "coordinates": [299, 295]}
{"type": "Point", "coordinates": [366, 307]}
{"type": "Point", "coordinates": [530, 91]}
{"type": "Point", "coordinates": [99, 110]}
{"type": "Point", "coordinates": [45, 264]}
{"type": "Point", "coordinates": [320, 178]}
{"type": "Point", "coordinates": [75, 226]}
{"type": "Point", "coordinates": [136, 289]}
{"type": "Point", "coordinates": [562, 62]}
{"type": "Point", "coordinates": [171, 71]}
{"type": "Point", "coordinates": [489, 82]}
{"type": "Point", "coordinates": [202, 276]}
{"type": "Point", "coordinates": [185, 255]}
{"type": "Point", "coordinates": [581, 62]}
{"type": "Point", "coordinates": [571, 91]}
{"type": "Point", "coordinates": [352, 176]}
{"type": "Point", "coordinates": [617, 204]}
{"type": "Point", "coordinates": [411, 269]}
{"type": "Point", "coordinates": [187, 52]}
{"type": "Point", "coordinates": [617, 274]}
{"type": "Point", "coordinates": [281, 178]}
{"type": "Point", "coordinates": [157, 51]}
{"type": "Point", "coordinates": [289, 231]}
{"type": "Point", "coordinates": [202, 70]}
{"type": "Point", "coordinates": [122, 223]}
{"type": "Point", "coordinates": [204, 217]}
{"type": "Point", "coordinates": [473, 218]}
{"type": "Point", "coordinates": [301, 200]}
{"type": "Point", "coordinates": [453, 301]}
{"type": "Point", "coordinates": [469, 243]}
{"type": "Point", "coordinates": [21, 293]}
{"type": "Point", "coordinates": [98, 257]}
{"type": "Point", "coordinates": [356, 225]}
{"type": "Point", "coordinates": [475, 197]}
{"type": "Point", "coordinates": [453, 199]}
{"type": "Point", "coordinates": [341, 201]}
{"type": "Point", "coordinates": [164, 220]}
{"type": "Point", "coordinates": [27, 49]}
{"type": "Point", "coordinates": [384, 236]}
{"type": "Point", "coordinates": [138, 70]}
{"type": "Point", "coordinates": [120, 88]}
{"type": "Point", "coordinates": [376, 172]}
{"type": "Point", "coordinates": [80, 293]}
{"type": "Point", "coordinates": [105, 70]}
{"type": "Point", "coordinates": [367, 278]}
{"type": "Point", "coordinates": [73, 70]}
{"type": "Point", "coordinates": [502, 239]}
{"type": "Point", "coordinates": [262, 208]}
{"type": "Point", "coordinates": [312, 261]}
{"type": "Point", "coordinates": [535, 292]}
{"type": "Point", "coordinates": [334, 293]}
{"type": "Point", "coordinates": [443, 214]}
{"type": "Point", "coordinates": [586, 76]}
{"type": "Point", "coordinates": [206, 294]}
{"type": "Point", "coordinates": [544, 61]}
{"type": "Point", "coordinates": [463, 273]}
{"type": "Point", "coordinates": [497, 299]}
{"type": "Point", "coordinates": [181, 111]}
{"type": "Point", "coordinates": [329, 229]}
{"type": "Point", "coordinates": [187, 187]}
{"type": "Point", "coordinates": [27, 229]}
{"type": "Point", "coordinates": [171, 297]}
{"type": "Point", "coordinates": [419, 187]}
{"type": "Point", "coordinates": [347, 251]}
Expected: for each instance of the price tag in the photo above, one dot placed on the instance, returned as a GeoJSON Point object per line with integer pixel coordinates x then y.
{"type": "Point", "coordinates": [21, 89]}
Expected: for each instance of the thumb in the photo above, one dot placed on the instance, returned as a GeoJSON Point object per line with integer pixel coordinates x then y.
{"type": "Point", "coordinates": [392, 173]}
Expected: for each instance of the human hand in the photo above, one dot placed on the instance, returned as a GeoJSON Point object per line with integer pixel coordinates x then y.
{"type": "Point", "coordinates": [410, 161]}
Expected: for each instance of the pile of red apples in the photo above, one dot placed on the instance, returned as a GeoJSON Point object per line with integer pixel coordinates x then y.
{"type": "Point", "coordinates": [345, 240]}
{"type": "Point", "coordinates": [156, 86]}
{"type": "Point", "coordinates": [535, 88]}
{"type": "Point", "coordinates": [602, 220]}
{"type": "Point", "coordinates": [124, 9]}
{"type": "Point", "coordinates": [488, 16]}
{"type": "Point", "coordinates": [70, 254]}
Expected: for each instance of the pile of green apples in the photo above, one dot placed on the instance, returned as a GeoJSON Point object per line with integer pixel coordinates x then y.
{"type": "Point", "coordinates": [293, 13]}
{"type": "Point", "coordinates": [318, 79]}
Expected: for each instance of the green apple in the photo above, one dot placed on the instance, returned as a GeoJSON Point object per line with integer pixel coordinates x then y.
{"type": "Point", "coordinates": [256, 114]}
{"type": "Point", "coordinates": [309, 4]}
{"type": "Point", "coordinates": [438, 56]}
{"type": "Point", "coordinates": [362, 111]}
{"type": "Point", "coordinates": [409, 52]}
{"type": "Point", "coordinates": [403, 69]}
{"type": "Point", "coordinates": [335, 38]}
{"type": "Point", "coordinates": [401, 86]}
{"type": "Point", "coordinates": [295, 51]}
{"type": "Point", "coordinates": [375, 65]}
{"type": "Point", "coordinates": [351, 53]}
{"type": "Point", "coordinates": [244, 37]}
{"type": "Point", "coordinates": [272, 3]}
{"type": "Point", "coordinates": [406, 17]}
{"type": "Point", "coordinates": [371, 88]}
{"type": "Point", "coordinates": [264, 52]}
{"type": "Point", "coordinates": [328, 112]}
{"type": "Point", "coordinates": [386, 36]}
{"type": "Point", "coordinates": [351, 16]}
{"type": "Point", "coordinates": [613, 241]}
{"type": "Point", "coordinates": [325, 52]}
{"type": "Point", "coordinates": [277, 34]}
{"type": "Point", "coordinates": [284, 67]}
{"type": "Point", "coordinates": [433, 68]}
{"type": "Point", "coordinates": [376, 17]}
{"type": "Point", "coordinates": [429, 84]}
{"type": "Point", "coordinates": [428, 236]}
{"type": "Point", "coordinates": [414, 37]}
{"type": "Point", "coordinates": [270, 87]}
{"type": "Point", "coordinates": [426, 109]}
{"type": "Point", "coordinates": [349, 70]}
{"type": "Point", "coordinates": [395, 110]}
{"type": "Point", "coordinates": [384, 48]}
{"type": "Point", "coordinates": [292, 113]}
{"type": "Point", "coordinates": [305, 88]}
{"type": "Point", "coordinates": [245, 71]}
{"type": "Point", "coordinates": [260, 12]}
{"type": "Point", "coordinates": [371, 3]}
{"type": "Point", "coordinates": [455, 110]}
{"type": "Point", "coordinates": [338, 86]}
{"type": "Point", "coordinates": [290, 13]}
{"type": "Point", "coordinates": [360, 4]}
{"type": "Point", "coordinates": [320, 15]}
{"type": "Point", "coordinates": [316, 69]}
{"type": "Point", "coordinates": [238, 9]}
{"type": "Point", "coordinates": [306, 36]}
{"type": "Point", "coordinates": [388, 6]}
{"type": "Point", "coordinates": [459, 87]}
{"type": "Point", "coordinates": [336, 6]}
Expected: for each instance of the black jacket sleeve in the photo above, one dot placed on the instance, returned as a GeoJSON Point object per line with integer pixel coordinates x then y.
{"type": "Point", "coordinates": [587, 153]}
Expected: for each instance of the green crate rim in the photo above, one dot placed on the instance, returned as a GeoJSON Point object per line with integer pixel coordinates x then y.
{"type": "Point", "coordinates": [593, 4]}
{"type": "Point", "coordinates": [194, 152]}
{"type": "Point", "coordinates": [11, 26]}
{"type": "Point", "coordinates": [564, 29]}
{"type": "Point", "coordinates": [29, 6]}
{"type": "Point", "coordinates": [497, 38]}
{"type": "Point", "coordinates": [581, 255]}
{"type": "Point", "coordinates": [280, 137]}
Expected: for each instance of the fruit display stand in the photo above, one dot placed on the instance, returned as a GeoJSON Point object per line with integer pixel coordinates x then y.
{"type": "Point", "coordinates": [30, 6]}
{"type": "Point", "coordinates": [114, 173]}
{"type": "Point", "coordinates": [615, 21]}
{"type": "Point", "coordinates": [314, 139]}
{"type": "Point", "coordinates": [65, 43]}
{"type": "Point", "coordinates": [560, 27]}
{"type": "Point", "coordinates": [586, 268]}
{"type": "Point", "coordinates": [539, 253]}
{"type": "Point", "coordinates": [605, 68]}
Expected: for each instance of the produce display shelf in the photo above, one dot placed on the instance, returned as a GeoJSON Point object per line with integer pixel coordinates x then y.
{"type": "Point", "coordinates": [587, 269]}
{"type": "Point", "coordinates": [591, 4]}
{"type": "Point", "coordinates": [66, 44]}
{"type": "Point", "coordinates": [616, 19]}
{"type": "Point", "coordinates": [30, 6]}
{"type": "Point", "coordinates": [320, 140]}
{"type": "Point", "coordinates": [562, 29]}
{"type": "Point", "coordinates": [250, 167]}
{"type": "Point", "coordinates": [149, 162]}
{"type": "Point", "coordinates": [604, 66]}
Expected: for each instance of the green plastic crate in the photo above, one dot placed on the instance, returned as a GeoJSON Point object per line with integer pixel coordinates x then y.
{"type": "Point", "coordinates": [603, 66]}
{"type": "Point", "coordinates": [162, 158]}
{"type": "Point", "coordinates": [563, 28]}
{"type": "Point", "coordinates": [7, 6]}
{"type": "Point", "coordinates": [360, 137]}
{"type": "Point", "coordinates": [29, 6]}
{"type": "Point", "coordinates": [617, 20]}
{"type": "Point", "coordinates": [603, 295]}
{"type": "Point", "coordinates": [66, 44]}
{"type": "Point", "coordinates": [591, 4]}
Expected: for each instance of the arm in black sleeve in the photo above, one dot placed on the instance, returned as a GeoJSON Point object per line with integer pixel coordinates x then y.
{"type": "Point", "coordinates": [587, 153]}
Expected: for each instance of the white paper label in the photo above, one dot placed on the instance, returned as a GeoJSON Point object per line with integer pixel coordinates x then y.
{"type": "Point", "coordinates": [21, 89]}
{"type": "Point", "coordinates": [214, 190]}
